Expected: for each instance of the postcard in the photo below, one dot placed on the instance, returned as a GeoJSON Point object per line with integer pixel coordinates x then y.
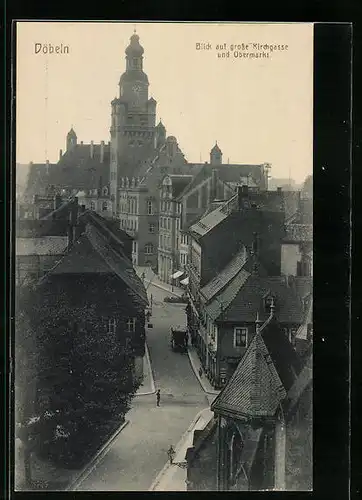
{"type": "Point", "coordinates": [164, 256]}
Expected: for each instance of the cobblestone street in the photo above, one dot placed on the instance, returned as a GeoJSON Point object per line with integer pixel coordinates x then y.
{"type": "Point", "coordinates": [139, 453]}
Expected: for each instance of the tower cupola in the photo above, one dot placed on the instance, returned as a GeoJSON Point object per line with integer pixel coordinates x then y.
{"type": "Point", "coordinates": [71, 139]}
{"type": "Point", "coordinates": [216, 155]}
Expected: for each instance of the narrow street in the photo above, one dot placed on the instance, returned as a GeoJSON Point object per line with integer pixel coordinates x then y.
{"type": "Point", "coordinates": [139, 452]}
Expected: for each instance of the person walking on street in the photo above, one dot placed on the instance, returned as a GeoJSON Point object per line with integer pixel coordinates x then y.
{"type": "Point", "coordinates": [158, 397]}
{"type": "Point", "coordinates": [171, 453]}
{"type": "Point", "coordinates": [200, 371]}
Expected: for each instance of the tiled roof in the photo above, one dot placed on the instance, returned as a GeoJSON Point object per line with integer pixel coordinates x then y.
{"type": "Point", "coordinates": [241, 300]}
{"type": "Point", "coordinates": [221, 303]}
{"type": "Point", "coordinates": [36, 228]}
{"type": "Point", "coordinates": [81, 259]}
{"type": "Point", "coordinates": [225, 276]}
{"type": "Point", "coordinates": [299, 233]}
{"type": "Point", "coordinates": [75, 169]}
{"type": "Point", "coordinates": [254, 389]}
{"type": "Point", "coordinates": [204, 225]}
{"type": "Point", "coordinates": [226, 173]}
{"type": "Point", "coordinates": [302, 332]}
{"type": "Point", "coordinates": [92, 253]}
{"type": "Point", "coordinates": [47, 245]}
{"type": "Point", "coordinates": [286, 360]}
{"type": "Point", "coordinates": [302, 382]}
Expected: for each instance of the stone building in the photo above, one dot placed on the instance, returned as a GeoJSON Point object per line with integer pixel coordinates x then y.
{"type": "Point", "coordinates": [261, 435]}
{"type": "Point", "coordinates": [180, 207]}
{"type": "Point", "coordinates": [81, 167]}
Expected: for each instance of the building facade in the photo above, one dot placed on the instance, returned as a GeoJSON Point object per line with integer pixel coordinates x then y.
{"type": "Point", "coordinates": [260, 436]}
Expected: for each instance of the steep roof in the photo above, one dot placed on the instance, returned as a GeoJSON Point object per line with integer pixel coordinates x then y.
{"type": "Point", "coordinates": [46, 245]}
{"type": "Point", "coordinates": [222, 302]}
{"type": "Point", "coordinates": [36, 228]}
{"type": "Point", "coordinates": [255, 388]}
{"type": "Point", "coordinates": [208, 222]}
{"type": "Point", "coordinates": [297, 233]}
{"type": "Point", "coordinates": [225, 276]}
{"type": "Point", "coordinates": [265, 374]}
{"type": "Point", "coordinates": [228, 173]}
{"type": "Point", "coordinates": [93, 253]}
{"type": "Point", "coordinates": [38, 178]}
{"type": "Point", "coordinates": [75, 169]}
{"type": "Point", "coordinates": [243, 297]}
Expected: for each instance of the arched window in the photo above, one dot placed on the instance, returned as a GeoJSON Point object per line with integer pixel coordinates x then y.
{"type": "Point", "coordinates": [104, 206]}
{"type": "Point", "coordinates": [148, 249]}
{"type": "Point", "coordinates": [234, 463]}
{"type": "Point", "coordinates": [105, 191]}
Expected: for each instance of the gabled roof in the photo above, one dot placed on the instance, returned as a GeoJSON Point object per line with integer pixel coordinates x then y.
{"type": "Point", "coordinates": [225, 276]}
{"type": "Point", "coordinates": [75, 169]}
{"type": "Point", "coordinates": [302, 382]}
{"type": "Point", "coordinates": [255, 388]}
{"type": "Point", "coordinates": [297, 233]}
{"type": "Point", "coordinates": [92, 253]}
{"type": "Point", "coordinates": [302, 332]}
{"type": "Point", "coordinates": [221, 302]}
{"type": "Point", "coordinates": [243, 297]}
{"type": "Point", "coordinates": [244, 300]}
{"type": "Point", "coordinates": [46, 245]}
{"type": "Point", "coordinates": [208, 222]}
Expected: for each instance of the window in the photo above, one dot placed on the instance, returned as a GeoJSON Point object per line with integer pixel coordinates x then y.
{"type": "Point", "coordinates": [104, 206]}
{"type": "Point", "coordinates": [112, 326]}
{"type": "Point", "coordinates": [291, 336]}
{"type": "Point", "coordinates": [240, 337]}
{"type": "Point", "coordinates": [134, 246]}
{"type": "Point", "coordinates": [149, 207]}
{"type": "Point", "coordinates": [148, 249]}
{"type": "Point", "coordinates": [151, 228]}
{"type": "Point", "coordinates": [131, 325]}
{"type": "Point", "coordinates": [92, 205]}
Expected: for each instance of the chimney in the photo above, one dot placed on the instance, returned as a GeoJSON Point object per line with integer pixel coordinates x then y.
{"type": "Point", "coordinates": [57, 201]}
{"type": "Point", "coordinates": [102, 152]}
{"type": "Point", "coordinates": [60, 154]}
{"type": "Point", "coordinates": [91, 149]}
{"type": "Point", "coordinates": [72, 223]}
{"type": "Point", "coordinates": [243, 193]}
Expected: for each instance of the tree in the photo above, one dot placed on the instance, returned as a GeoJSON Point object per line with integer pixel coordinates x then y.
{"type": "Point", "coordinates": [85, 375]}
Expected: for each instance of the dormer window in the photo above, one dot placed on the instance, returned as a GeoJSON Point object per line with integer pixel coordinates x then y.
{"type": "Point", "coordinates": [269, 301]}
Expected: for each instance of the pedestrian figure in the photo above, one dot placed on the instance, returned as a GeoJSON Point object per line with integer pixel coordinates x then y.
{"type": "Point", "coordinates": [171, 453]}
{"type": "Point", "coordinates": [200, 371]}
{"type": "Point", "coordinates": [158, 397]}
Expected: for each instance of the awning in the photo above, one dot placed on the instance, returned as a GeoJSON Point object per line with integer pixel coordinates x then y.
{"type": "Point", "coordinates": [177, 274]}
{"type": "Point", "coordinates": [185, 281]}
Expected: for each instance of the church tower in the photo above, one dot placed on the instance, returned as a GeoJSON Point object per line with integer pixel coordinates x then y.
{"type": "Point", "coordinates": [216, 155]}
{"type": "Point", "coordinates": [71, 140]}
{"type": "Point", "coordinates": [132, 121]}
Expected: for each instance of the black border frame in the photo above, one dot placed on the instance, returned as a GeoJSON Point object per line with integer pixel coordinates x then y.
{"type": "Point", "coordinates": [332, 150]}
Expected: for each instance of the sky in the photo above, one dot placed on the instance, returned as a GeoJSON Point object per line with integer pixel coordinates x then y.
{"type": "Point", "coordinates": [257, 109]}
